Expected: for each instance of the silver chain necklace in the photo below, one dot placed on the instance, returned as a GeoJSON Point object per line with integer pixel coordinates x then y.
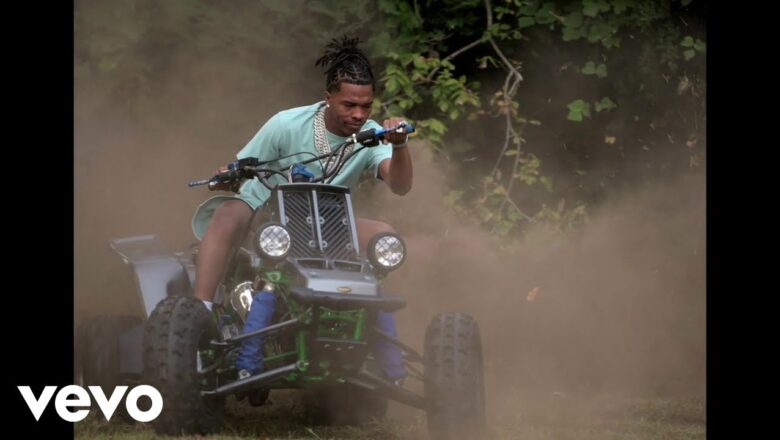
{"type": "Point", "coordinates": [321, 140]}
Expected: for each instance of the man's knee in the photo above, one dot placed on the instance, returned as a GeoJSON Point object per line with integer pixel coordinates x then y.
{"type": "Point", "coordinates": [230, 217]}
{"type": "Point", "coordinates": [369, 228]}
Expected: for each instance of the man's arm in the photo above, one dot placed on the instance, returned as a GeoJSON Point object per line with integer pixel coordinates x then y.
{"type": "Point", "coordinates": [397, 172]}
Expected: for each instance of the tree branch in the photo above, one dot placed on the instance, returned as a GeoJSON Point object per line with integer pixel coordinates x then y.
{"type": "Point", "coordinates": [495, 46]}
{"type": "Point", "coordinates": [451, 56]}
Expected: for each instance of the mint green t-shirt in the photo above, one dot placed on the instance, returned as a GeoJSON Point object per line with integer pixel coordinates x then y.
{"type": "Point", "coordinates": [286, 133]}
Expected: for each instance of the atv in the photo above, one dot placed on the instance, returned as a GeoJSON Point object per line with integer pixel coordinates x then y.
{"type": "Point", "coordinates": [300, 253]}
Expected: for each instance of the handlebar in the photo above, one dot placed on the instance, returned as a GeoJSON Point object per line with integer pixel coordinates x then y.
{"type": "Point", "coordinates": [251, 167]}
{"type": "Point", "coordinates": [379, 134]}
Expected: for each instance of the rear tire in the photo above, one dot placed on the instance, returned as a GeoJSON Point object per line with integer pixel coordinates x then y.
{"type": "Point", "coordinates": [175, 331]}
{"type": "Point", "coordinates": [454, 382]}
{"type": "Point", "coordinates": [97, 355]}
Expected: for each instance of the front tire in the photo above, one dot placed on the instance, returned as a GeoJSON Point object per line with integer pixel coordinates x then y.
{"type": "Point", "coordinates": [454, 382]}
{"type": "Point", "coordinates": [177, 329]}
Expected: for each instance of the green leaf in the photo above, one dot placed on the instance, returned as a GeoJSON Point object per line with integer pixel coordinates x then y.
{"type": "Point", "coordinates": [599, 31]}
{"type": "Point", "coordinates": [573, 20]}
{"type": "Point", "coordinates": [601, 71]}
{"type": "Point", "coordinates": [605, 104]}
{"type": "Point", "coordinates": [406, 58]}
{"type": "Point", "coordinates": [699, 45]}
{"type": "Point", "coordinates": [544, 14]}
{"type": "Point", "coordinates": [688, 54]}
{"type": "Point", "coordinates": [571, 33]}
{"type": "Point", "coordinates": [529, 9]}
{"type": "Point", "coordinates": [510, 153]}
{"type": "Point", "coordinates": [591, 8]}
{"type": "Point", "coordinates": [524, 22]}
{"type": "Point", "coordinates": [484, 61]}
{"type": "Point", "coordinates": [578, 105]}
{"type": "Point", "coordinates": [501, 11]}
{"type": "Point", "coordinates": [589, 68]}
{"type": "Point", "coordinates": [419, 62]}
{"type": "Point", "coordinates": [619, 6]}
{"type": "Point", "coordinates": [528, 179]}
{"type": "Point", "coordinates": [578, 109]}
{"type": "Point", "coordinates": [493, 30]}
{"type": "Point", "coordinates": [436, 126]}
{"type": "Point", "coordinates": [687, 41]}
{"type": "Point", "coordinates": [611, 41]}
{"type": "Point", "coordinates": [686, 2]}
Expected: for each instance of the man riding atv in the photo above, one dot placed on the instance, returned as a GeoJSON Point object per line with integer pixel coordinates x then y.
{"type": "Point", "coordinates": [312, 129]}
{"type": "Point", "coordinates": [292, 286]}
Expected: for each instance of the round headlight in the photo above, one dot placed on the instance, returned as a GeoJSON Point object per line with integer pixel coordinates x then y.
{"type": "Point", "coordinates": [386, 251]}
{"type": "Point", "coordinates": [272, 241]}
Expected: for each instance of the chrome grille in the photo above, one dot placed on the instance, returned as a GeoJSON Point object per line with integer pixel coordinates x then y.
{"type": "Point", "coordinates": [299, 221]}
{"type": "Point", "coordinates": [335, 229]}
{"type": "Point", "coordinates": [304, 210]}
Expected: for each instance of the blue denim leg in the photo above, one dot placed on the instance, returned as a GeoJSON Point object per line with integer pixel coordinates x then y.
{"type": "Point", "coordinates": [388, 355]}
{"type": "Point", "coordinates": [250, 356]}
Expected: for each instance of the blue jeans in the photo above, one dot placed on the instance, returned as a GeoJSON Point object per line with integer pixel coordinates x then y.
{"type": "Point", "coordinates": [250, 356]}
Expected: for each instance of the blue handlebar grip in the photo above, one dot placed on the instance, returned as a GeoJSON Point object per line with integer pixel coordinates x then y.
{"type": "Point", "coordinates": [198, 182]}
{"type": "Point", "coordinates": [408, 128]}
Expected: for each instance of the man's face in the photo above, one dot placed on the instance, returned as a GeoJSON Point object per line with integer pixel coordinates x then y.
{"type": "Point", "coordinates": [350, 107]}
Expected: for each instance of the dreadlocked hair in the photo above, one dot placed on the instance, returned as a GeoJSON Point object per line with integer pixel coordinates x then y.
{"type": "Point", "coordinates": [344, 62]}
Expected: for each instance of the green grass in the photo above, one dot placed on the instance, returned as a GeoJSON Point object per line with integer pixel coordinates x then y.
{"type": "Point", "coordinates": [605, 418]}
{"type": "Point", "coordinates": [559, 417]}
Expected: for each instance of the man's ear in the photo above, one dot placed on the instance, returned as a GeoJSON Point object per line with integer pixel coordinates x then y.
{"type": "Point", "coordinates": [327, 97]}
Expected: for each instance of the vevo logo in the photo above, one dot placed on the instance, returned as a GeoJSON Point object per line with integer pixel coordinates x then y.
{"type": "Point", "coordinates": [62, 403]}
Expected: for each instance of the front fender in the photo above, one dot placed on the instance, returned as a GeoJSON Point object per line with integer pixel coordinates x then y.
{"type": "Point", "coordinates": [158, 272]}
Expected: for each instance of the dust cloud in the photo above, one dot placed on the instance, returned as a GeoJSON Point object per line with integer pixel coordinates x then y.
{"type": "Point", "coordinates": [619, 308]}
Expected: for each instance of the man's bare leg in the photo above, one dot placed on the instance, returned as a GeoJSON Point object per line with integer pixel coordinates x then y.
{"type": "Point", "coordinates": [368, 228]}
{"type": "Point", "coordinates": [222, 235]}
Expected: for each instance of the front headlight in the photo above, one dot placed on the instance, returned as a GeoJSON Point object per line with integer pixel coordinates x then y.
{"type": "Point", "coordinates": [386, 251]}
{"type": "Point", "coordinates": [272, 241]}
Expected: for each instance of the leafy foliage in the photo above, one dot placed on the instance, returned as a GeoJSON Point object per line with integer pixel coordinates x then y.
{"type": "Point", "coordinates": [492, 85]}
{"type": "Point", "coordinates": [431, 66]}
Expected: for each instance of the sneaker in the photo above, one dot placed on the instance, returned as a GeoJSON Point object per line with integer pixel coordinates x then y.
{"type": "Point", "coordinates": [243, 374]}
